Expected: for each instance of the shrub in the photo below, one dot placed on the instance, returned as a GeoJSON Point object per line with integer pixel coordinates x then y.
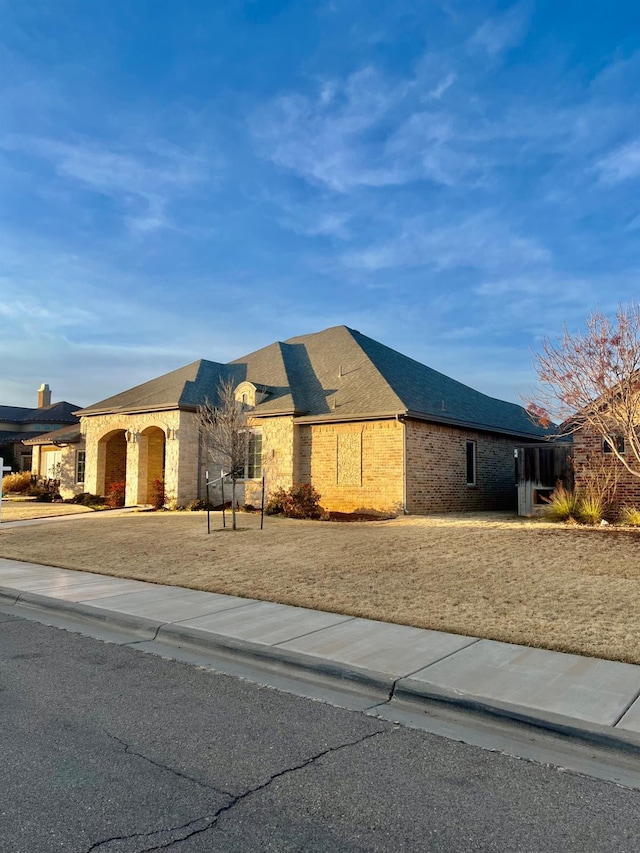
{"type": "Point", "coordinates": [87, 499]}
{"type": "Point", "coordinates": [590, 509]}
{"type": "Point", "coordinates": [115, 494]}
{"type": "Point", "coordinates": [276, 502]}
{"type": "Point", "coordinates": [562, 505]}
{"type": "Point", "coordinates": [630, 515]}
{"type": "Point", "coordinates": [198, 506]}
{"type": "Point", "coordinates": [157, 493]}
{"type": "Point", "coordinates": [300, 501]}
{"type": "Point", "coordinates": [20, 483]}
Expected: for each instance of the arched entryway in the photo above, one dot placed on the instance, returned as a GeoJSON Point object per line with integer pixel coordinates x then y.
{"type": "Point", "coordinates": [112, 465]}
{"type": "Point", "coordinates": [151, 462]}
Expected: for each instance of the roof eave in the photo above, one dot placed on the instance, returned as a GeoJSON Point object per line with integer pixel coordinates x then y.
{"type": "Point", "coordinates": [132, 410]}
{"type": "Point", "coordinates": [59, 442]}
{"type": "Point", "coordinates": [331, 417]}
{"type": "Point", "coordinates": [442, 419]}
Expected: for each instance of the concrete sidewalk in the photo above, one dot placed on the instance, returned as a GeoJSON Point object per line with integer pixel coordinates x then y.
{"type": "Point", "coordinates": [378, 664]}
{"type": "Point", "coordinates": [72, 516]}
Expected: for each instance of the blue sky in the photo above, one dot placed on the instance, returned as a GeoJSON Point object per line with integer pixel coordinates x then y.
{"type": "Point", "coordinates": [183, 180]}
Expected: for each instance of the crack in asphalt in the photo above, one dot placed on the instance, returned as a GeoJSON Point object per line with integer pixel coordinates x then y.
{"type": "Point", "coordinates": [195, 827]}
{"type": "Point", "coordinates": [130, 751]}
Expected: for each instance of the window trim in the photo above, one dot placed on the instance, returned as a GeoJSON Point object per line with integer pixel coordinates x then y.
{"type": "Point", "coordinates": [252, 435]}
{"type": "Point", "coordinates": [472, 446]}
{"type": "Point", "coordinates": [80, 482]}
{"type": "Point", "coordinates": [620, 444]}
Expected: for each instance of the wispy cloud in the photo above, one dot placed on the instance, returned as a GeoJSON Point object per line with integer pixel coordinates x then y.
{"type": "Point", "coordinates": [325, 138]}
{"type": "Point", "coordinates": [442, 86]}
{"type": "Point", "coordinates": [143, 178]}
{"type": "Point", "coordinates": [503, 31]}
{"type": "Point", "coordinates": [622, 164]}
{"type": "Point", "coordinates": [480, 242]}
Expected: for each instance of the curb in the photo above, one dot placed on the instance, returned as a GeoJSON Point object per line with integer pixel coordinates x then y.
{"type": "Point", "coordinates": [414, 697]}
{"type": "Point", "coordinates": [383, 690]}
{"type": "Point", "coordinates": [139, 626]}
{"type": "Point", "coordinates": [351, 679]}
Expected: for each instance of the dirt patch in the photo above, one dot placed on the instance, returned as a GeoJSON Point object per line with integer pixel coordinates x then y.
{"type": "Point", "coordinates": [528, 582]}
{"type": "Point", "coordinates": [357, 516]}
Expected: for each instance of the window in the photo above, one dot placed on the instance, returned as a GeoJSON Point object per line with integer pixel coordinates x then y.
{"type": "Point", "coordinates": [254, 456]}
{"type": "Point", "coordinates": [80, 465]}
{"type": "Point", "coordinates": [252, 469]}
{"type": "Point", "coordinates": [471, 463]}
{"type": "Point", "coordinates": [619, 443]}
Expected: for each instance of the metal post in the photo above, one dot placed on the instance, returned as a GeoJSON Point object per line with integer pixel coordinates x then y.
{"type": "Point", "coordinates": [224, 518]}
{"type": "Point", "coordinates": [262, 506]}
{"type": "Point", "coordinates": [206, 474]}
{"type": "Point", "coordinates": [3, 468]}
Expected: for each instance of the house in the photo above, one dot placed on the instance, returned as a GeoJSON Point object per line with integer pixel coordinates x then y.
{"type": "Point", "coordinates": [60, 455]}
{"type": "Point", "coordinates": [18, 424]}
{"type": "Point", "coordinates": [594, 462]}
{"type": "Point", "coordinates": [368, 427]}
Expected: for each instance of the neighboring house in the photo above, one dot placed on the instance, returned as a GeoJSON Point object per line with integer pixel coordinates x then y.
{"type": "Point", "coordinates": [368, 427]}
{"type": "Point", "coordinates": [18, 424]}
{"type": "Point", "coordinates": [60, 455]}
{"type": "Point", "coordinates": [593, 459]}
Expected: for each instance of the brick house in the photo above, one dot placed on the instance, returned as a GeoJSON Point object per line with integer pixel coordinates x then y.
{"type": "Point", "coordinates": [592, 456]}
{"type": "Point", "coordinates": [368, 427]}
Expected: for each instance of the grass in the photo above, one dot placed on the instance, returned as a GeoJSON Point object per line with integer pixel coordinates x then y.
{"type": "Point", "coordinates": [529, 582]}
{"type": "Point", "coordinates": [631, 516]}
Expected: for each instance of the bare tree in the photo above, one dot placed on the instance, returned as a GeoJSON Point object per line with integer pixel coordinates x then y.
{"type": "Point", "coordinates": [224, 430]}
{"type": "Point", "coordinates": [591, 380]}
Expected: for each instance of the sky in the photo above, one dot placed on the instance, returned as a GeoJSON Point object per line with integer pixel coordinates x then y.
{"type": "Point", "coordinates": [198, 179]}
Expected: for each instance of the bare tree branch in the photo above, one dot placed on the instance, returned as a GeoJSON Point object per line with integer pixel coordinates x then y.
{"type": "Point", "coordinates": [224, 430]}
{"type": "Point", "coordinates": [592, 380]}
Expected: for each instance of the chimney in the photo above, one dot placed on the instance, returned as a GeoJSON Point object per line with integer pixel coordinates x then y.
{"type": "Point", "coordinates": [44, 396]}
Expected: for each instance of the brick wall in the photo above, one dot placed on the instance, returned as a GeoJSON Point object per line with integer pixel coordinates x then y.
{"type": "Point", "coordinates": [437, 470]}
{"type": "Point", "coordinates": [588, 455]}
{"type": "Point", "coordinates": [354, 466]}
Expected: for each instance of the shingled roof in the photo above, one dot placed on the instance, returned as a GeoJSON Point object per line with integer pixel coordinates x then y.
{"type": "Point", "coordinates": [334, 375]}
{"type": "Point", "coordinates": [55, 413]}
{"type": "Point", "coordinates": [64, 435]}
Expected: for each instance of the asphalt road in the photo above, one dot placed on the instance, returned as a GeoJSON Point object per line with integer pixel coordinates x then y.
{"type": "Point", "coordinates": [104, 748]}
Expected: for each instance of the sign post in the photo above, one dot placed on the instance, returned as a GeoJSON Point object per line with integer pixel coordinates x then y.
{"type": "Point", "coordinates": [4, 469]}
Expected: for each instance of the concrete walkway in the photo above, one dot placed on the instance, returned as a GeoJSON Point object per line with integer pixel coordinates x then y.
{"type": "Point", "coordinates": [72, 516]}
{"type": "Point", "coordinates": [377, 663]}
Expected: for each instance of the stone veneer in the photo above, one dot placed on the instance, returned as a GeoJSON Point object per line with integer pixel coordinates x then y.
{"type": "Point", "coordinates": [68, 461]}
{"type": "Point", "coordinates": [279, 463]}
{"type": "Point", "coordinates": [354, 466]}
{"type": "Point", "coordinates": [105, 458]}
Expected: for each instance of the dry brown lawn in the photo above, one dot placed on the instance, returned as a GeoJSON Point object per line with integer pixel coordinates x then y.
{"type": "Point", "coordinates": [528, 582]}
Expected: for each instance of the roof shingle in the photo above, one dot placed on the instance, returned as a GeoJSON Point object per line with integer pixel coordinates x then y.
{"type": "Point", "coordinates": [336, 374]}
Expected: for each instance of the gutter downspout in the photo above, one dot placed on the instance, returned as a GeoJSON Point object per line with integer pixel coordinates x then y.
{"type": "Point", "coordinates": [402, 421]}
